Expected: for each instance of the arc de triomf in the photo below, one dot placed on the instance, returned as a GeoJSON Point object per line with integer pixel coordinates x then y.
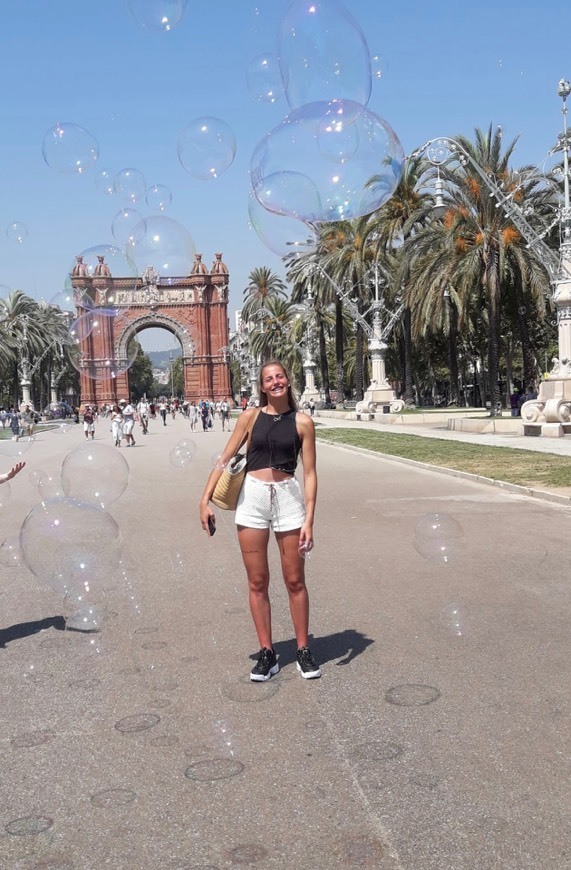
{"type": "Point", "coordinates": [193, 308]}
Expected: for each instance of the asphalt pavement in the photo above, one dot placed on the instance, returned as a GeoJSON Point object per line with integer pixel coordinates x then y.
{"type": "Point", "coordinates": [436, 739]}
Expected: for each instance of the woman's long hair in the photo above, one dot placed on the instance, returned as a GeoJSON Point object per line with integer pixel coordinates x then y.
{"type": "Point", "coordinates": [292, 401]}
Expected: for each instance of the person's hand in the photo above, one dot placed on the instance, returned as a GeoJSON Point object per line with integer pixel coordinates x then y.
{"type": "Point", "coordinates": [16, 469]}
{"type": "Point", "coordinates": [206, 513]}
{"type": "Point", "coordinates": [306, 542]}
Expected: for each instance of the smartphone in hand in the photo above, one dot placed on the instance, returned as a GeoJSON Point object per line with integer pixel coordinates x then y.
{"type": "Point", "coordinates": [211, 526]}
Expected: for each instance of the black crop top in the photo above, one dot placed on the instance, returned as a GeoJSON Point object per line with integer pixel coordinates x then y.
{"type": "Point", "coordinates": [275, 443]}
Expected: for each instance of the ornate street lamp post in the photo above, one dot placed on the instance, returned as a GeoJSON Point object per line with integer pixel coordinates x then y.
{"type": "Point", "coordinates": [549, 414]}
{"type": "Point", "coordinates": [379, 394]}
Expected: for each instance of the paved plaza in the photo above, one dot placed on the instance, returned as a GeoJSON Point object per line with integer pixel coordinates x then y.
{"type": "Point", "coordinates": [418, 749]}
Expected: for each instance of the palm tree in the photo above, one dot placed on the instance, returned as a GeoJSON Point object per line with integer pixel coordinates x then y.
{"type": "Point", "coordinates": [475, 248]}
{"type": "Point", "coordinates": [399, 219]}
{"type": "Point", "coordinates": [263, 285]}
{"type": "Point", "coordinates": [270, 339]}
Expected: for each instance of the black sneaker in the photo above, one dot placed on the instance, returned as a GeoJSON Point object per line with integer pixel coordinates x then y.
{"type": "Point", "coordinates": [266, 666]}
{"type": "Point", "coordinates": [307, 665]}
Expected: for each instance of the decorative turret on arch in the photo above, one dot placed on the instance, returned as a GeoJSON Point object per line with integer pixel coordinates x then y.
{"type": "Point", "coordinates": [193, 308]}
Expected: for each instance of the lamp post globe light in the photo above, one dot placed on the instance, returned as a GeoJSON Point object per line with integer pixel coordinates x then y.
{"type": "Point", "coordinates": [550, 414]}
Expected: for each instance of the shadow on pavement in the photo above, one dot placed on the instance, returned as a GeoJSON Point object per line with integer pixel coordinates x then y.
{"type": "Point", "coordinates": [26, 629]}
{"type": "Point", "coordinates": [343, 645]}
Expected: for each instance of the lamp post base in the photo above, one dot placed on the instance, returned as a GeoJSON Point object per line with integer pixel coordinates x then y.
{"type": "Point", "coordinates": [376, 399]}
{"type": "Point", "coordinates": [550, 414]}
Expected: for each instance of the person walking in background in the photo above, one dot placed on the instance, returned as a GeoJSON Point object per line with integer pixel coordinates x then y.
{"type": "Point", "coordinates": [205, 415]}
{"type": "Point", "coordinates": [128, 422]}
{"type": "Point", "coordinates": [163, 412]}
{"type": "Point", "coordinates": [14, 424]}
{"type": "Point", "coordinates": [143, 412]}
{"type": "Point", "coordinates": [193, 416]}
{"type": "Point", "coordinates": [225, 413]}
{"type": "Point", "coordinates": [271, 498]}
{"type": "Point", "coordinates": [117, 425]}
{"type": "Point", "coordinates": [89, 422]}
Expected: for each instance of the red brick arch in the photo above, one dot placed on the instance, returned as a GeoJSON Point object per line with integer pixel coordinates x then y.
{"type": "Point", "coordinates": [193, 308]}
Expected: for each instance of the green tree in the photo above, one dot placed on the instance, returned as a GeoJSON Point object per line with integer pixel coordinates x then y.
{"type": "Point", "coordinates": [140, 373]}
{"type": "Point", "coordinates": [263, 285]}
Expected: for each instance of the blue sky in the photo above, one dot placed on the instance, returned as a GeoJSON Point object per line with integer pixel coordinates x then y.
{"type": "Point", "coordinates": [449, 68]}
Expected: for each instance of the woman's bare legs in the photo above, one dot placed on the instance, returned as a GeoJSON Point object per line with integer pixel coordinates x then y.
{"type": "Point", "coordinates": [254, 547]}
{"type": "Point", "coordinates": [293, 570]}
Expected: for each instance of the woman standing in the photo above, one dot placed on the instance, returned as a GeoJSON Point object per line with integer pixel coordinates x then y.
{"type": "Point", "coordinates": [271, 498]}
{"type": "Point", "coordinates": [117, 425]}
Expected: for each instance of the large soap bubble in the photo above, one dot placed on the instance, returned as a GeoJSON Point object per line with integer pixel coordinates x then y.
{"type": "Point", "coordinates": [93, 275]}
{"type": "Point", "coordinates": [158, 14]}
{"type": "Point", "coordinates": [95, 473]}
{"type": "Point", "coordinates": [85, 608]}
{"type": "Point", "coordinates": [130, 185]}
{"type": "Point", "coordinates": [128, 226]}
{"type": "Point", "coordinates": [69, 148]}
{"type": "Point", "coordinates": [263, 78]}
{"type": "Point", "coordinates": [96, 350]}
{"type": "Point", "coordinates": [63, 536]}
{"type": "Point", "coordinates": [298, 171]}
{"type": "Point", "coordinates": [16, 449]}
{"type": "Point", "coordinates": [158, 197]}
{"type": "Point", "coordinates": [17, 232]}
{"type": "Point", "coordinates": [323, 54]}
{"type": "Point", "coordinates": [104, 181]}
{"type": "Point", "coordinates": [439, 538]}
{"type": "Point", "coordinates": [283, 235]}
{"type": "Point", "coordinates": [166, 245]}
{"type": "Point", "coordinates": [206, 147]}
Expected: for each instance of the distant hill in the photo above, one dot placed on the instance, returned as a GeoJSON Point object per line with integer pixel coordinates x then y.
{"type": "Point", "coordinates": [160, 358]}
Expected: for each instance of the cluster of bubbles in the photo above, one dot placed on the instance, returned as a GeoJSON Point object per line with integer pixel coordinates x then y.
{"type": "Point", "coordinates": [439, 538]}
{"type": "Point", "coordinates": [331, 158]}
{"type": "Point", "coordinates": [69, 540]}
{"type": "Point", "coordinates": [183, 453]}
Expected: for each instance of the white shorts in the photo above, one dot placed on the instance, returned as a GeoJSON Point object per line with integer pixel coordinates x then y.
{"type": "Point", "coordinates": [89, 427]}
{"type": "Point", "coordinates": [278, 505]}
{"type": "Point", "coordinates": [128, 426]}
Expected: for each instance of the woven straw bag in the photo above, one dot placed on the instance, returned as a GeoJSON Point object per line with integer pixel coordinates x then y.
{"type": "Point", "coordinates": [230, 482]}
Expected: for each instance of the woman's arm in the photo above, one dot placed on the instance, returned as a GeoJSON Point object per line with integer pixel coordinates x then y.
{"type": "Point", "coordinates": [236, 440]}
{"type": "Point", "coordinates": [306, 429]}
{"type": "Point", "coordinates": [12, 473]}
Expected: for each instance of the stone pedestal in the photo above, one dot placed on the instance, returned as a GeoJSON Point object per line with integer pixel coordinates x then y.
{"type": "Point", "coordinates": [311, 393]}
{"type": "Point", "coordinates": [26, 395]}
{"type": "Point", "coordinates": [550, 414]}
{"type": "Point", "coordinates": [380, 394]}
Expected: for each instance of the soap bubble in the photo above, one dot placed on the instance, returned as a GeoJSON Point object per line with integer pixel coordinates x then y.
{"type": "Point", "coordinates": [97, 351]}
{"type": "Point", "coordinates": [16, 449]}
{"type": "Point", "coordinates": [206, 147]}
{"type": "Point", "coordinates": [159, 197]}
{"type": "Point", "coordinates": [290, 176]}
{"type": "Point", "coordinates": [63, 537]}
{"type": "Point", "coordinates": [167, 246]}
{"type": "Point", "coordinates": [188, 444]}
{"type": "Point", "coordinates": [264, 79]}
{"type": "Point", "coordinates": [128, 226]}
{"type": "Point", "coordinates": [11, 552]}
{"type": "Point", "coordinates": [454, 618]}
{"type": "Point", "coordinates": [69, 299]}
{"type": "Point", "coordinates": [323, 54]}
{"type": "Point", "coordinates": [95, 473]}
{"type": "Point", "coordinates": [96, 269]}
{"type": "Point", "coordinates": [130, 184]}
{"type": "Point", "coordinates": [282, 234]}
{"type": "Point", "coordinates": [438, 537]}
{"type": "Point", "coordinates": [69, 148]}
{"type": "Point", "coordinates": [217, 462]}
{"type": "Point", "coordinates": [104, 181]}
{"type": "Point", "coordinates": [49, 485]}
{"type": "Point", "coordinates": [85, 608]}
{"type": "Point", "coordinates": [180, 457]}
{"type": "Point", "coordinates": [158, 14]}
{"type": "Point", "coordinates": [17, 232]}
{"type": "Point", "coordinates": [378, 66]}
{"type": "Point", "coordinates": [5, 291]}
